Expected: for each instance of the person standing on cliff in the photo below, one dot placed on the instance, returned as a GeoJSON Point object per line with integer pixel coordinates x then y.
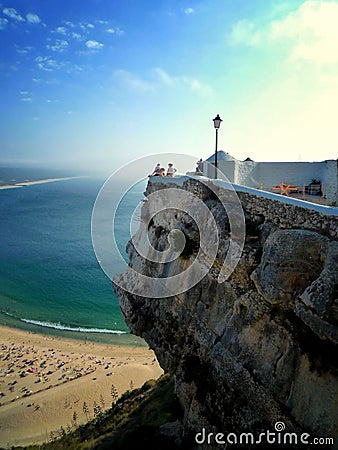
{"type": "Point", "coordinates": [171, 170]}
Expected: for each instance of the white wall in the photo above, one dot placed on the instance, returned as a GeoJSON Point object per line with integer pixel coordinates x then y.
{"type": "Point", "coordinates": [269, 174]}
{"type": "Point", "coordinates": [330, 180]}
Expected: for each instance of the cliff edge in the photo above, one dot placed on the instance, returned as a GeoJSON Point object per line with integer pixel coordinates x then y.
{"type": "Point", "coordinates": [259, 349]}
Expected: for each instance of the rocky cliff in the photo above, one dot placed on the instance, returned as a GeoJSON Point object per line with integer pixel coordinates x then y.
{"type": "Point", "coordinates": [259, 348]}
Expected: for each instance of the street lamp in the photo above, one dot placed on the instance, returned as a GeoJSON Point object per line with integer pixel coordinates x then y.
{"type": "Point", "coordinates": [217, 123]}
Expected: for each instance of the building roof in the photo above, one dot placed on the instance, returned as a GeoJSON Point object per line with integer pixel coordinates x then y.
{"type": "Point", "coordinates": [221, 156]}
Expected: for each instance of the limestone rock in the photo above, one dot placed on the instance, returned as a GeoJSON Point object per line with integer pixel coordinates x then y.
{"type": "Point", "coordinates": [260, 347]}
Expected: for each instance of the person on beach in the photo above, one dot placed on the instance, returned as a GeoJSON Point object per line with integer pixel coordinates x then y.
{"type": "Point", "coordinates": [171, 170]}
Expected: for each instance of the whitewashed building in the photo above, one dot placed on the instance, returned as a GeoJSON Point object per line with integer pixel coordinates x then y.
{"type": "Point", "coordinates": [266, 175]}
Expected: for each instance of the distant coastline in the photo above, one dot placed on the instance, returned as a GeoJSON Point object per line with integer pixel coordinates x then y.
{"type": "Point", "coordinates": [29, 183]}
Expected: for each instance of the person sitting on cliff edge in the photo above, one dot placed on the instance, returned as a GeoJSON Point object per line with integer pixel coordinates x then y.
{"type": "Point", "coordinates": [157, 170]}
{"type": "Point", "coordinates": [171, 170]}
{"type": "Point", "coordinates": [199, 166]}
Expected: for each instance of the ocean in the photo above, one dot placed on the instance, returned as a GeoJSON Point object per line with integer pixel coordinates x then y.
{"type": "Point", "coordinates": [50, 280]}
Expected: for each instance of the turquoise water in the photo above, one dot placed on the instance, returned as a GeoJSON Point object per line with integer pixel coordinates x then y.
{"type": "Point", "coordinates": [50, 280]}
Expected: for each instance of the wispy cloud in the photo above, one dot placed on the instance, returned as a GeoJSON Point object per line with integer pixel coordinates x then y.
{"type": "Point", "coordinates": [33, 18]}
{"type": "Point", "coordinates": [245, 32]}
{"type": "Point", "coordinates": [313, 31]}
{"type": "Point", "coordinates": [160, 79]}
{"type": "Point", "coordinates": [83, 31]}
{"type": "Point", "coordinates": [182, 81]}
{"type": "Point", "coordinates": [76, 36]}
{"type": "Point", "coordinates": [48, 64]}
{"type": "Point", "coordinates": [164, 77]}
{"type": "Point", "coordinates": [49, 81]}
{"type": "Point", "coordinates": [59, 46]}
{"type": "Point", "coordinates": [69, 23]}
{"type": "Point", "coordinates": [188, 11]}
{"type": "Point", "coordinates": [13, 14]}
{"type": "Point", "coordinates": [94, 45]}
{"type": "Point", "coordinates": [116, 31]}
{"type": "Point", "coordinates": [25, 96]}
{"type": "Point", "coordinates": [61, 30]}
{"type": "Point", "coordinates": [3, 23]}
{"type": "Point", "coordinates": [310, 32]}
{"type": "Point", "coordinates": [24, 50]}
{"type": "Point", "coordinates": [133, 81]}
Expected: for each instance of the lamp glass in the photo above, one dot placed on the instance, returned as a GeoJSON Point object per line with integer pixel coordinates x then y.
{"type": "Point", "coordinates": [217, 121]}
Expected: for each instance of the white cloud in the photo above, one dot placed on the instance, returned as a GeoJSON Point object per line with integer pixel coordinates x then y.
{"type": "Point", "coordinates": [133, 81]}
{"type": "Point", "coordinates": [33, 18]}
{"type": "Point", "coordinates": [313, 31]}
{"type": "Point", "coordinates": [160, 79]}
{"type": "Point", "coordinates": [26, 99]}
{"type": "Point", "coordinates": [90, 25]}
{"type": "Point", "coordinates": [24, 92]}
{"type": "Point", "coordinates": [3, 23]}
{"type": "Point", "coordinates": [244, 32]}
{"type": "Point", "coordinates": [59, 46]}
{"type": "Point", "coordinates": [70, 32]}
{"type": "Point", "coordinates": [94, 45]}
{"type": "Point", "coordinates": [164, 77]}
{"type": "Point", "coordinates": [24, 50]}
{"type": "Point", "coordinates": [61, 30]}
{"type": "Point", "coordinates": [48, 64]}
{"type": "Point", "coordinates": [69, 24]}
{"type": "Point", "coordinates": [188, 11]}
{"type": "Point", "coordinates": [13, 14]}
{"type": "Point", "coordinates": [75, 69]}
{"type": "Point", "coordinates": [76, 36]}
{"type": "Point", "coordinates": [310, 32]}
{"type": "Point", "coordinates": [182, 81]}
{"type": "Point", "coordinates": [117, 31]}
{"type": "Point", "coordinates": [196, 85]}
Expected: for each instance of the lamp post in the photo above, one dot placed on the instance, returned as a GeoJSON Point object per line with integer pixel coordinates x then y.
{"type": "Point", "coordinates": [217, 123]}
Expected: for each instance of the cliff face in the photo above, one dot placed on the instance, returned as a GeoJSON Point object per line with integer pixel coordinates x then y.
{"type": "Point", "coordinates": [261, 347]}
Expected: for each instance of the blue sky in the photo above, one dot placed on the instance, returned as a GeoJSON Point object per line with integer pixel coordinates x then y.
{"type": "Point", "coordinates": [97, 83]}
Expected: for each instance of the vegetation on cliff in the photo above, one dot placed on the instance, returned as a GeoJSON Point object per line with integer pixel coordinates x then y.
{"type": "Point", "coordinates": [135, 420]}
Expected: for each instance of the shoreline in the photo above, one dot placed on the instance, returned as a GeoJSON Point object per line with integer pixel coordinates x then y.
{"type": "Point", "coordinates": [45, 379]}
{"type": "Point", "coordinates": [124, 338]}
{"type": "Point", "coordinates": [31, 183]}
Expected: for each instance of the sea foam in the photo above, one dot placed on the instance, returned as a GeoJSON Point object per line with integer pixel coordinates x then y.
{"type": "Point", "coordinates": [59, 326]}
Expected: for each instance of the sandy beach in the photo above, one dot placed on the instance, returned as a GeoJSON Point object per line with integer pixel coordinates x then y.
{"type": "Point", "coordinates": [44, 380]}
{"type": "Point", "coordinates": [30, 183]}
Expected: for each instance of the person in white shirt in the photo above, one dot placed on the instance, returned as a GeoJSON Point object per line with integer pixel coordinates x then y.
{"type": "Point", "coordinates": [171, 170]}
